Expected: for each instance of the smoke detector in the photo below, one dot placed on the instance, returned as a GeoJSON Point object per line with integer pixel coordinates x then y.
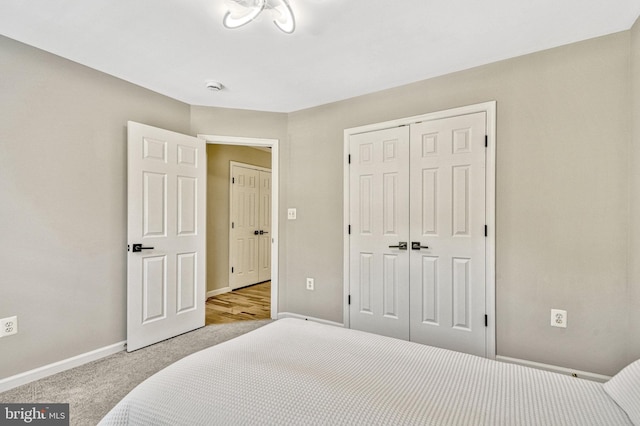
{"type": "Point", "coordinates": [214, 86]}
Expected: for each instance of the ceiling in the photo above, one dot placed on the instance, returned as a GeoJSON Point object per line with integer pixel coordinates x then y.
{"type": "Point", "coordinates": [340, 49]}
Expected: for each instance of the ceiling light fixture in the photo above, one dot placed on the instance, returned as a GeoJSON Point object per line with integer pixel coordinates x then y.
{"type": "Point", "coordinates": [241, 12]}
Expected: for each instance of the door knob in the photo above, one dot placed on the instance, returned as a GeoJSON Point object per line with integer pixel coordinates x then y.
{"type": "Point", "coordinates": [263, 232]}
{"type": "Point", "coordinates": [138, 248]}
{"type": "Point", "coordinates": [415, 245]}
{"type": "Point", "coordinates": [402, 245]}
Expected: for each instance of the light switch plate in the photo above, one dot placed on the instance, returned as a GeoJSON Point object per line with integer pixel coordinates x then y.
{"type": "Point", "coordinates": [291, 214]}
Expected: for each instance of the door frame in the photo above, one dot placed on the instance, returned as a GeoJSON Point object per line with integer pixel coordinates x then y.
{"type": "Point", "coordinates": [231, 189]}
{"type": "Point", "coordinates": [275, 178]}
{"type": "Point", "coordinates": [490, 205]}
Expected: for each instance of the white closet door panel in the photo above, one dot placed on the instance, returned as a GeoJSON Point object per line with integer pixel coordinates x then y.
{"type": "Point", "coordinates": [448, 217]}
{"type": "Point", "coordinates": [379, 274]}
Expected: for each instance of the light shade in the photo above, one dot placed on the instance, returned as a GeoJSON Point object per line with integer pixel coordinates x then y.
{"type": "Point", "coordinates": [283, 15]}
{"type": "Point", "coordinates": [241, 12]}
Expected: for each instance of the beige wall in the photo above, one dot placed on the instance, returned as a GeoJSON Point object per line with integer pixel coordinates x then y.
{"type": "Point", "coordinates": [562, 196]}
{"type": "Point", "coordinates": [634, 240]}
{"type": "Point", "coordinates": [218, 169]}
{"type": "Point", "coordinates": [238, 122]}
{"type": "Point", "coordinates": [63, 202]}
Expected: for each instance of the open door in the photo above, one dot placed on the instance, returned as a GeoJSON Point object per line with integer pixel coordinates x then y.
{"type": "Point", "coordinates": [166, 235]}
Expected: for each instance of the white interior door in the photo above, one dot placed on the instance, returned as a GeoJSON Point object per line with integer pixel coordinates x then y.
{"type": "Point", "coordinates": [244, 234]}
{"type": "Point", "coordinates": [264, 223]}
{"type": "Point", "coordinates": [448, 222]}
{"type": "Point", "coordinates": [166, 234]}
{"type": "Point", "coordinates": [423, 185]}
{"type": "Point", "coordinates": [379, 219]}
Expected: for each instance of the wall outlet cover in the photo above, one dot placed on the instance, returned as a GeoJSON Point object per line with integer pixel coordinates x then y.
{"type": "Point", "coordinates": [559, 318]}
{"type": "Point", "coordinates": [8, 326]}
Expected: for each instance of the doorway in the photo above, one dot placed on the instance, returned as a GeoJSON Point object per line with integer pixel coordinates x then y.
{"type": "Point", "coordinates": [261, 153]}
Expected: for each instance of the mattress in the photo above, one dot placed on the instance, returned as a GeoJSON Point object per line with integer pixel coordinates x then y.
{"type": "Point", "coordinates": [295, 372]}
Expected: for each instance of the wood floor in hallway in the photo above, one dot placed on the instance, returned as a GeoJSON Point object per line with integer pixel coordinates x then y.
{"type": "Point", "coordinates": [247, 303]}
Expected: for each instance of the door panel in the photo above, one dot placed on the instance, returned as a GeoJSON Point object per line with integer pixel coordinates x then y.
{"type": "Point", "coordinates": [166, 215]}
{"type": "Point", "coordinates": [187, 275]}
{"type": "Point", "coordinates": [250, 236]}
{"type": "Point", "coordinates": [426, 185]}
{"type": "Point", "coordinates": [154, 215]}
{"type": "Point", "coordinates": [448, 217]}
{"type": "Point", "coordinates": [244, 217]}
{"type": "Point", "coordinates": [187, 205]}
{"type": "Point", "coordinates": [264, 211]}
{"type": "Point", "coordinates": [379, 272]}
{"type": "Point", "coordinates": [154, 288]}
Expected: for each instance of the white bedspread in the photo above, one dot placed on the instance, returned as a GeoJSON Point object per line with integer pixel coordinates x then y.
{"type": "Point", "coordinates": [294, 372]}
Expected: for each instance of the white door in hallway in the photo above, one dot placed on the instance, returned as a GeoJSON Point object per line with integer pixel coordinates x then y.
{"type": "Point", "coordinates": [250, 240]}
{"type": "Point", "coordinates": [379, 219]}
{"type": "Point", "coordinates": [447, 241]}
{"type": "Point", "coordinates": [264, 223]}
{"type": "Point", "coordinates": [166, 234]}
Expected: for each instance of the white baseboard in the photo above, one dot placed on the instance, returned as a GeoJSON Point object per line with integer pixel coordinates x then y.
{"type": "Point", "coordinates": [218, 292]}
{"type": "Point", "coordinates": [554, 368]}
{"type": "Point", "coordinates": [304, 317]}
{"type": "Point", "coordinates": [57, 367]}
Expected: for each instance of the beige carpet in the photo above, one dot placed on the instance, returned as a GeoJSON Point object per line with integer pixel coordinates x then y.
{"type": "Point", "coordinates": [94, 388]}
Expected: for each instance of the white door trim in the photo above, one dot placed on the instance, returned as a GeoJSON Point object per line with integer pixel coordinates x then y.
{"type": "Point", "coordinates": [275, 177]}
{"type": "Point", "coordinates": [490, 109]}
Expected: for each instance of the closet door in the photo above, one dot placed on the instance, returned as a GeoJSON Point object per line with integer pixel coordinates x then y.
{"type": "Point", "coordinates": [448, 233]}
{"type": "Point", "coordinates": [379, 218]}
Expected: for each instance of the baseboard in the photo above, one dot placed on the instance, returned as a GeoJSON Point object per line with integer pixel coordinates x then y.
{"type": "Point", "coordinates": [307, 318]}
{"type": "Point", "coordinates": [57, 367]}
{"type": "Point", "coordinates": [218, 292]}
{"type": "Point", "coordinates": [562, 370]}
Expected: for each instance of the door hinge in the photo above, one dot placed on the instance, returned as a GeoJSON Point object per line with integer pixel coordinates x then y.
{"type": "Point", "coordinates": [486, 141]}
{"type": "Point", "coordinates": [128, 247]}
{"type": "Point", "coordinates": [349, 300]}
{"type": "Point", "coordinates": [486, 321]}
{"type": "Point", "coordinates": [349, 230]}
{"type": "Point", "coordinates": [233, 180]}
{"type": "Point", "coordinates": [233, 225]}
{"type": "Point", "coordinates": [486, 232]}
{"type": "Point", "coordinates": [349, 159]}
{"type": "Point", "coordinates": [232, 269]}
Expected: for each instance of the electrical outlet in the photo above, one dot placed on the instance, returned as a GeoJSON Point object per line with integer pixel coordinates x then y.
{"type": "Point", "coordinates": [310, 283]}
{"type": "Point", "coordinates": [8, 326]}
{"type": "Point", "coordinates": [291, 214]}
{"type": "Point", "coordinates": [558, 318]}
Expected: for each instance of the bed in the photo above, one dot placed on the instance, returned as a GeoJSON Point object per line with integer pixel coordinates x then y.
{"type": "Point", "coordinates": [295, 372]}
